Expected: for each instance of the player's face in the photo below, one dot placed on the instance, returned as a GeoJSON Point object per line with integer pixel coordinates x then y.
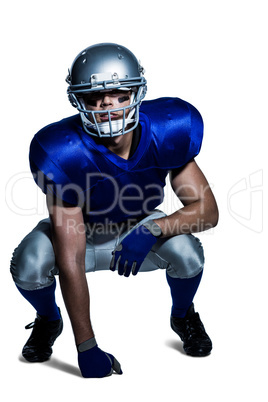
{"type": "Point", "coordinates": [105, 101]}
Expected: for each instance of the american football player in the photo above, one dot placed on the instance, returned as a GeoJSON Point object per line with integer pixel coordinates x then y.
{"type": "Point", "coordinates": [103, 171]}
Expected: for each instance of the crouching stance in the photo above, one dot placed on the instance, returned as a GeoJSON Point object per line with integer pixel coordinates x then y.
{"type": "Point", "coordinates": [103, 172]}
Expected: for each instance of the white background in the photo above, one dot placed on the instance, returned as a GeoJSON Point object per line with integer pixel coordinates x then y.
{"type": "Point", "coordinates": [214, 55]}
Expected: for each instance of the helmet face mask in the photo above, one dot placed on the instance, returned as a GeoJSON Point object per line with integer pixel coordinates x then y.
{"type": "Point", "coordinates": [101, 69]}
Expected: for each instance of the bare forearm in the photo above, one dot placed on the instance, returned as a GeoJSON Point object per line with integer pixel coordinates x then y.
{"type": "Point", "coordinates": [200, 211]}
{"type": "Point", "coordinates": [69, 243]}
{"type": "Point", "coordinates": [76, 297]}
{"type": "Point", "coordinates": [192, 218]}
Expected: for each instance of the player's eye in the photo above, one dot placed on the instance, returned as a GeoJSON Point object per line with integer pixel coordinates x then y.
{"type": "Point", "coordinates": [92, 99]}
{"type": "Point", "coordinates": [91, 102]}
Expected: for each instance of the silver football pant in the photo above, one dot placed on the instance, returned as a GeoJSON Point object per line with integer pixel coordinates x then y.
{"type": "Point", "coordinates": [33, 262]}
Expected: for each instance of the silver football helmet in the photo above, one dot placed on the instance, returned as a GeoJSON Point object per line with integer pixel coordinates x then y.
{"type": "Point", "coordinates": [106, 67]}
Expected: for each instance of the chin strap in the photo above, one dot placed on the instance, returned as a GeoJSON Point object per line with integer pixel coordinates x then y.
{"type": "Point", "coordinates": [105, 127]}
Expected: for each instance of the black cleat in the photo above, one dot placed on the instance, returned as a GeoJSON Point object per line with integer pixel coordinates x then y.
{"type": "Point", "coordinates": [190, 329]}
{"type": "Point", "coordinates": [38, 348]}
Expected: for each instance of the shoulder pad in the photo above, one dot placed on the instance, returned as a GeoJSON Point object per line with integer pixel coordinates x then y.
{"type": "Point", "coordinates": [177, 129]}
{"type": "Point", "coordinates": [56, 156]}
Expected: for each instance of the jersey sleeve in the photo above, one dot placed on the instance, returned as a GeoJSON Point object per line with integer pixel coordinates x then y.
{"type": "Point", "coordinates": [50, 177]}
{"type": "Point", "coordinates": [55, 160]}
{"type": "Point", "coordinates": [195, 131]}
{"type": "Point", "coordinates": [177, 129]}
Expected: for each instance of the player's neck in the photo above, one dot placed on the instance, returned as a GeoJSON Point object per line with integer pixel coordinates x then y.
{"type": "Point", "coordinates": [119, 145]}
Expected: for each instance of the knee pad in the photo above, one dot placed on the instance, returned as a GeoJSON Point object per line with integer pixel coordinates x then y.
{"type": "Point", "coordinates": [33, 261]}
{"type": "Point", "coordinates": [184, 255]}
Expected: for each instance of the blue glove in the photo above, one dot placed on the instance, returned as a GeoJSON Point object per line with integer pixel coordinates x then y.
{"type": "Point", "coordinates": [131, 252]}
{"type": "Point", "coordinates": [94, 363]}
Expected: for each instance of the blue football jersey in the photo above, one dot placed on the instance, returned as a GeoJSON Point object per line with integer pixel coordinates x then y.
{"type": "Point", "coordinates": [66, 160]}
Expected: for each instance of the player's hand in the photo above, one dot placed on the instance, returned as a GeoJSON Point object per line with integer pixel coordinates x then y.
{"type": "Point", "coordinates": [131, 252]}
{"type": "Point", "coordinates": [94, 363]}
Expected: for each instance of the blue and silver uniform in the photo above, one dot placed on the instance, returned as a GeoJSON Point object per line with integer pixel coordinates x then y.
{"type": "Point", "coordinates": [80, 171]}
{"type": "Point", "coordinates": [66, 160]}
